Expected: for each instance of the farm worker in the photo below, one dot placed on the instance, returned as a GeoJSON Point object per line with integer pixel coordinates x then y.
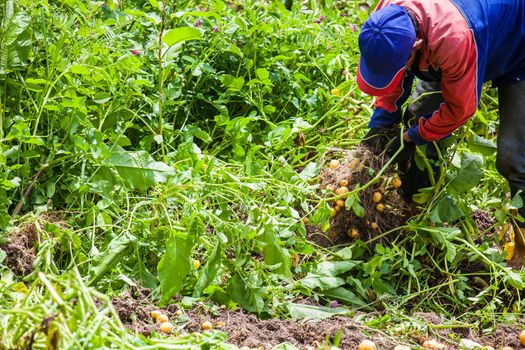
{"type": "Point", "coordinates": [452, 47]}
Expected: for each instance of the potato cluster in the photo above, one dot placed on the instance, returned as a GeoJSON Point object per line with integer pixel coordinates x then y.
{"type": "Point", "coordinates": [379, 206]}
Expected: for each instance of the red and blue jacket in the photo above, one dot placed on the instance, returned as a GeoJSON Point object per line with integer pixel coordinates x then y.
{"type": "Point", "coordinates": [465, 43]}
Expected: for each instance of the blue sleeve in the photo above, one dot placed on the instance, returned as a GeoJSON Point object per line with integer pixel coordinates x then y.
{"type": "Point", "coordinates": [381, 118]}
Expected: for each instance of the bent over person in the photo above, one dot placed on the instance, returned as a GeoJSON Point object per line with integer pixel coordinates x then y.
{"type": "Point", "coordinates": [452, 47]}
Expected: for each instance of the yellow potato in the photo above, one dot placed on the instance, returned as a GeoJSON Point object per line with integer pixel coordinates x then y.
{"type": "Point", "coordinates": [206, 326]}
{"type": "Point", "coordinates": [353, 233]}
{"type": "Point", "coordinates": [166, 327]}
{"type": "Point", "coordinates": [380, 207]}
{"type": "Point", "coordinates": [162, 318]}
{"type": "Point", "coordinates": [330, 188]}
{"type": "Point", "coordinates": [155, 314]}
{"type": "Point", "coordinates": [401, 347]}
{"type": "Point", "coordinates": [367, 345]}
{"type": "Point", "coordinates": [341, 190]}
{"type": "Point", "coordinates": [376, 197]}
{"type": "Point", "coordinates": [433, 344]}
{"type": "Point", "coordinates": [396, 182]}
{"type": "Point", "coordinates": [334, 164]}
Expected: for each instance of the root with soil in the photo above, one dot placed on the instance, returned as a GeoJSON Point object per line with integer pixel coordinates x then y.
{"type": "Point", "coordinates": [375, 205]}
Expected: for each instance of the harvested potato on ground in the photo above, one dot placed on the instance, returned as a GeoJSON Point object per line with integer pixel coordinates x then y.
{"type": "Point", "coordinates": [374, 226]}
{"type": "Point", "coordinates": [522, 337]}
{"type": "Point", "coordinates": [206, 326]}
{"type": "Point", "coordinates": [334, 164]}
{"type": "Point", "coordinates": [433, 344]}
{"type": "Point", "coordinates": [367, 345]}
{"type": "Point", "coordinates": [396, 182]}
{"type": "Point", "coordinates": [401, 347]}
{"type": "Point", "coordinates": [155, 314]}
{"type": "Point", "coordinates": [380, 207]}
{"type": "Point", "coordinates": [178, 313]}
{"type": "Point", "coordinates": [343, 183]}
{"type": "Point", "coordinates": [162, 318]}
{"type": "Point", "coordinates": [166, 327]}
{"type": "Point", "coordinates": [340, 203]}
{"type": "Point", "coordinates": [376, 197]}
{"type": "Point", "coordinates": [341, 190]}
{"type": "Point", "coordinates": [353, 233]}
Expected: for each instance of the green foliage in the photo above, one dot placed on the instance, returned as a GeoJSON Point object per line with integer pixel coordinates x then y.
{"type": "Point", "coordinates": [189, 130]}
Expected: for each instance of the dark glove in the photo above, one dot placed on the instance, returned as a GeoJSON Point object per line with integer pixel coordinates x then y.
{"type": "Point", "coordinates": [412, 179]}
{"type": "Point", "coordinates": [407, 153]}
{"type": "Point", "coordinates": [376, 139]}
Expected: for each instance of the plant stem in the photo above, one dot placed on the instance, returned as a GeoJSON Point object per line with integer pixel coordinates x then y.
{"type": "Point", "coordinates": [161, 80]}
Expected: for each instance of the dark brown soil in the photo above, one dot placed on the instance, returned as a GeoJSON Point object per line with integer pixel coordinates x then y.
{"type": "Point", "coordinates": [22, 243]}
{"type": "Point", "coordinates": [20, 249]}
{"type": "Point", "coordinates": [246, 330]}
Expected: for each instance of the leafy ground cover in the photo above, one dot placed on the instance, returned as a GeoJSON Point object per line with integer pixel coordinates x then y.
{"type": "Point", "coordinates": [176, 156]}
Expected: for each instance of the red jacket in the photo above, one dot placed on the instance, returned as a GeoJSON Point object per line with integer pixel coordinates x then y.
{"type": "Point", "coordinates": [465, 57]}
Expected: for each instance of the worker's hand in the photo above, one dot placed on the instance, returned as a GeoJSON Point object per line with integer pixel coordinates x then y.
{"type": "Point", "coordinates": [377, 139]}
{"type": "Point", "coordinates": [406, 154]}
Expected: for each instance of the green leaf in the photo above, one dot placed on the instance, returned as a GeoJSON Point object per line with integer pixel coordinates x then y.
{"type": "Point", "coordinates": [423, 195]}
{"type": "Point", "coordinates": [243, 290]}
{"type": "Point", "coordinates": [468, 175]}
{"type": "Point", "coordinates": [180, 35]}
{"type": "Point", "coordinates": [209, 272]}
{"type": "Point", "coordinates": [358, 209]}
{"type": "Point", "coordinates": [5, 219]}
{"type": "Point", "coordinates": [321, 282]}
{"type": "Point", "coordinates": [445, 210]}
{"type": "Point", "coordinates": [15, 38]}
{"type": "Point", "coordinates": [274, 254]}
{"type": "Point", "coordinates": [515, 279]}
{"type": "Point", "coordinates": [79, 69]}
{"type": "Point", "coordinates": [174, 265]}
{"type": "Point", "coordinates": [302, 311]}
{"type": "Point", "coordinates": [116, 250]}
{"type": "Point", "coordinates": [262, 73]}
{"type": "Point", "coordinates": [482, 145]}
{"type": "Point", "coordinates": [334, 268]}
{"type": "Point", "coordinates": [138, 169]}
{"type": "Point", "coordinates": [322, 216]}
{"type": "Point", "coordinates": [310, 171]}
{"type": "Point", "coordinates": [345, 295]}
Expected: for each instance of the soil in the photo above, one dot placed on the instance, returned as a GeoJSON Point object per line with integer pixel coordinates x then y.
{"type": "Point", "coordinates": [20, 249]}
{"type": "Point", "coordinates": [246, 330]}
{"type": "Point", "coordinates": [21, 244]}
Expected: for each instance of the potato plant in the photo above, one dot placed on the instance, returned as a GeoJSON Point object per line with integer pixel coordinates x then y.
{"type": "Point", "coordinates": [177, 146]}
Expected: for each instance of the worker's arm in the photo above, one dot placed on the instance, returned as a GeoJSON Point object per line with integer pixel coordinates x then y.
{"type": "Point", "coordinates": [460, 88]}
{"type": "Point", "coordinates": [387, 112]}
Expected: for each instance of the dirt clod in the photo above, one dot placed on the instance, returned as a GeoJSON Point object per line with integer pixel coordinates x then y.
{"type": "Point", "coordinates": [20, 249]}
{"type": "Point", "coordinates": [21, 243]}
